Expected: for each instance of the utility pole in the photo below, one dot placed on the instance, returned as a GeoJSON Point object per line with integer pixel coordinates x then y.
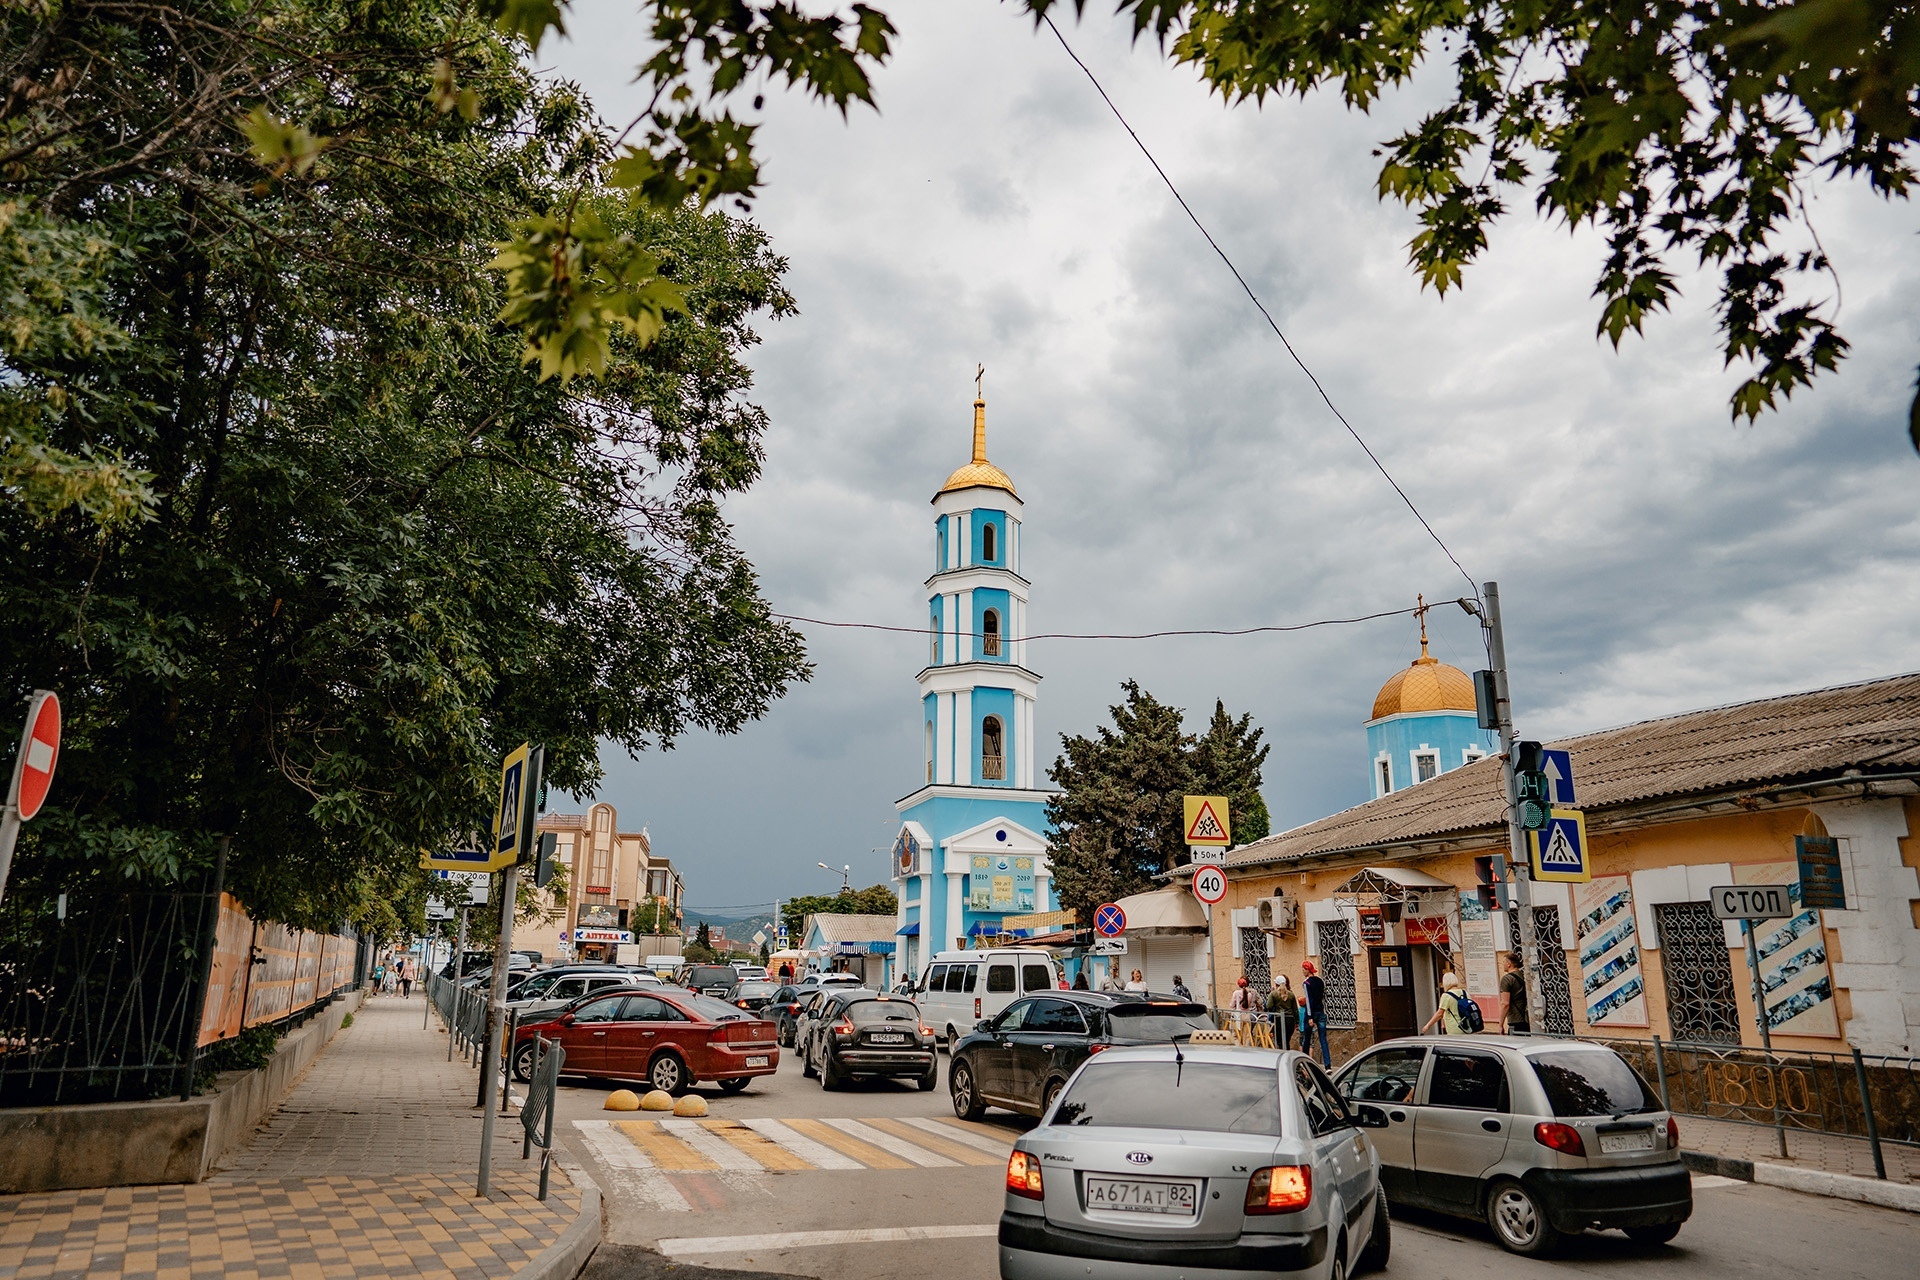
{"type": "Point", "coordinates": [1519, 867]}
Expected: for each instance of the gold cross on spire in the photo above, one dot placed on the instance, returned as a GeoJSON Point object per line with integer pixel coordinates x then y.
{"type": "Point", "coordinates": [979, 377]}
{"type": "Point", "coordinates": [1421, 613]}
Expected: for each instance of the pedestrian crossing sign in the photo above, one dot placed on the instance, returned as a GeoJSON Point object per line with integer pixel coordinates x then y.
{"type": "Point", "coordinates": [1559, 849]}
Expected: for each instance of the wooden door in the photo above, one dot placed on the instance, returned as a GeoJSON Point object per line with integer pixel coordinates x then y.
{"type": "Point", "coordinates": [1390, 973]}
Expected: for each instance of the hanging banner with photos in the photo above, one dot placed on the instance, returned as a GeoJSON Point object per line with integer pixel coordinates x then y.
{"type": "Point", "coordinates": [1611, 982]}
{"type": "Point", "coordinates": [1793, 959]}
{"type": "Point", "coordinates": [1001, 882]}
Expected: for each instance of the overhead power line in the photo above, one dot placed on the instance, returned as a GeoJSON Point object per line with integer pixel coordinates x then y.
{"type": "Point", "coordinates": [1103, 635]}
{"type": "Point", "coordinates": [1255, 299]}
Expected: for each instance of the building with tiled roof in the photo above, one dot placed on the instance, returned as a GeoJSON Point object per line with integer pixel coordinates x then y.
{"type": "Point", "coordinates": [1385, 896]}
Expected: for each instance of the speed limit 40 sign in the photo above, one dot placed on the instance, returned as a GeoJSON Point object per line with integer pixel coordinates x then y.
{"type": "Point", "coordinates": [1210, 884]}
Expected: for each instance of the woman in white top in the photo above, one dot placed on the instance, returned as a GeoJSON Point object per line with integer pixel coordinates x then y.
{"type": "Point", "coordinates": [1137, 982]}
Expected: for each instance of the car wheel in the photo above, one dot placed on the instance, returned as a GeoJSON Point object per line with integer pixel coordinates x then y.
{"type": "Point", "coordinates": [1337, 1269]}
{"type": "Point", "coordinates": [668, 1073]}
{"type": "Point", "coordinates": [831, 1077]}
{"type": "Point", "coordinates": [929, 1081]}
{"type": "Point", "coordinates": [1660, 1233]}
{"type": "Point", "coordinates": [1519, 1221]}
{"type": "Point", "coordinates": [736, 1084]}
{"type": "Point", "coordinates": [966, 1098]}
{"type": "Point", "coordinates": [953, 1038]}
{"type": "Point", "coordinates": [806, 1066]}
{"type": "Point", "coordinates": [523, 1057]}
{"type": "Point", "coordinates": [1380, 1242]}
{"type": "Point", "coordinates": [1053, 1092]}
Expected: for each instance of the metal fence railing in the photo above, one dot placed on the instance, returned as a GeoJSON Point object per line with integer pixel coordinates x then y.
{"type": "Point", "coordinates": [1873, 1097]}
{"type": "Point", "coordinates": [464, 1011]}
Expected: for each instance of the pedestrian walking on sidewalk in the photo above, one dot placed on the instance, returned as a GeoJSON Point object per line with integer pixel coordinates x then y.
{"type": "Point", "coordinates": [1314, 1007]}
{"type": "Point", "coordinates": [1513, 997]}
{"type": "Point", "coordinates": [406, 980]}
{"type": "Point", "coordinates": [1180, 988]}
{"type": "Point", "coordinates": [1284, 1007]}
{"type": "Point", "coordinates": [1447, 1011]}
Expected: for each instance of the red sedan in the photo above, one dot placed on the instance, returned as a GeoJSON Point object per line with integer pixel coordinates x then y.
{"type": "Point", "coordinates": [667, 1038]}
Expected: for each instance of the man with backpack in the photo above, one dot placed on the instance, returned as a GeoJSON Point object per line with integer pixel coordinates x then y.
{"type": "Point", "coordinates": [1457, 1013]}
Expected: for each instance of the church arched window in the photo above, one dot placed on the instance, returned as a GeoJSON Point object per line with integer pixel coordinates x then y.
{"type": "Point", "coordinates": [993, 750]}
{"type": "Point", "coordinates": [987, 532]}
{"type": "Point", "coordinates": [990, 633]}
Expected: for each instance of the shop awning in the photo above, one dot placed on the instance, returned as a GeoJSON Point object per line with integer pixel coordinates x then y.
{"type": "Point", "coordinates": [911, 930]}
{"type": "Point", "coordinates": [1380, 886]}
{"type": "Point", "coordinates": [1172, 912]}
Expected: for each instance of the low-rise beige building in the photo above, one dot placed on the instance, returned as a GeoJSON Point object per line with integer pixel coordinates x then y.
{"type": "Point", "coordinates": [1383, 898]}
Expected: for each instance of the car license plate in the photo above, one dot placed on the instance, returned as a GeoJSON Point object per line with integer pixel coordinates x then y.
{"type": "Point", "coordinates": [1133, 1195]}
{"type": "Point", "coordinates": [885, 1037]}
{"type": "Point", "coordinates": [1634, 1140]}
{"type": "Point", "coordinates": [760, 1061]}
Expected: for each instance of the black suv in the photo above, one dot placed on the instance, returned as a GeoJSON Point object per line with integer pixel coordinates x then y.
{"type": "Point", "coordinates": [864, 1033]}
{"type": "Point", "coordinates": [711, 979]}
{"type": "Point", "coordinates": [1020, 1058]}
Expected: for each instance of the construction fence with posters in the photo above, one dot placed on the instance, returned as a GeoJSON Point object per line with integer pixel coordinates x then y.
{"type": "Point", "coordinates": [111, 991]}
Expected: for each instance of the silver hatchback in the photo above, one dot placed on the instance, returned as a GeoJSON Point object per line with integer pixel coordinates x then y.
{"type": "Point", "coordinates": [1540, 1137]}
{"type": "Point", "coordinates": [1202, 1161]}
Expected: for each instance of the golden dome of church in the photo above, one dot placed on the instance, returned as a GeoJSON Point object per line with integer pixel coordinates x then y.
{"type": "Point", "coordinates": [1427, 685]}
{"type": "Point", "coordinates": [979, 473]}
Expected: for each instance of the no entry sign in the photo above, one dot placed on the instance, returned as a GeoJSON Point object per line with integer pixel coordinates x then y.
{"type": "Point", "coordinates": [39, 751]}
{"type": "Point", "coordinates": [32, 773]}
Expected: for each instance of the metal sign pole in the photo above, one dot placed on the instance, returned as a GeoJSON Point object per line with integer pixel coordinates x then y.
{"type": "Point", "coordinates": [496, 1018]}
{"type": "Point", "coordinates": [453, 1002]}
{"type": "Point", "coordinates": [1520, 868]}
{"type": "Point", "coordinates": [1760, 1020]}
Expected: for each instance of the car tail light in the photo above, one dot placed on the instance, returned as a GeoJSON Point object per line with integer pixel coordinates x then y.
{"type": "Point", "coordinates": [1098, 1048]}
{"type": "Point", "coordinates": [1673, 1134]}
{"type": "Point", "coordinates": [1563, 1138]}
{"type": "Point", "coordinates": [743, 1004]}
{"type": "Point", "coordinates": [844, 1027]}
{"type": "Point", "coordinates": [976, 1006]}
{"type": "Point", "coordinates": [926, 1030]}
{"type": "Point", "coordinates": [1023, 1176]}
{"type": "Point", "coordinates": [1279, 1189]}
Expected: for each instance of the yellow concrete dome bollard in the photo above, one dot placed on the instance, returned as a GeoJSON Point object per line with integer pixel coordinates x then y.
{"type": "Point", "coordinates": [657, 1100]}
{"type": "Point", "coordinates": [691, 1105]}
{"type": "Point", "coordinates": [623, 1100]}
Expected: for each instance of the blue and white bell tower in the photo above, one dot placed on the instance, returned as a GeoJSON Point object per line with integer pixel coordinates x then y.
{"type": "Point", "coordinates": [972, 846]}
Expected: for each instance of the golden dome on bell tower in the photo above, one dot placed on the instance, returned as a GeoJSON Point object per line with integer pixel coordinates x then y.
{"type": "Point", "coordinates": [979, 473]}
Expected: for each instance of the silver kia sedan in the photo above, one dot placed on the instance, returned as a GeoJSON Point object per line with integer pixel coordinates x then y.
{"type": "Point", "coordinates": [1541, 1137]}
{"type": "Point", "coordinates": [1203, 1160]}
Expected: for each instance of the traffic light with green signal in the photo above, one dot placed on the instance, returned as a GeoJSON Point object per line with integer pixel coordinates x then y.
{"type": "Point", "coordinates": [1533, 793]}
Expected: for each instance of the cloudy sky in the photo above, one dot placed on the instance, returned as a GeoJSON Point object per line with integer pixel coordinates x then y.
{"type": "Point", "coordinates": [1179, 471]}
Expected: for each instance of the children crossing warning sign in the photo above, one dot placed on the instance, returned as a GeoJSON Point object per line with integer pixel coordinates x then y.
{"type": "Point", "coordinates": [1559, 849]}
{"type": "Point", "coordinates": [1207, 822]}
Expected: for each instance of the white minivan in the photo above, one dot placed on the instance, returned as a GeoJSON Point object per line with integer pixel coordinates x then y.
{"type": "Point", "coordinates": [961, 987]}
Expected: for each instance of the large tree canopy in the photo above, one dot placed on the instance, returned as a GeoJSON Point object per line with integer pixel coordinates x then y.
{"type": "Point", "coordinates": [302, 545]}
{"type": "Point", "coordinates": [1118, 819]}
{"type": "Point", "coordinates": [1681, 128]}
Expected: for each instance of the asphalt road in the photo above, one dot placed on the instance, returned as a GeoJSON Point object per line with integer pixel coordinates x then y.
{"type": "Point", "coordinates": [879, 1181]}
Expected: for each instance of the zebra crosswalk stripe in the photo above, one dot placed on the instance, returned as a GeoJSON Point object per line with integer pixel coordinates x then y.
{"type": "Point", "coordinates": [898, 1146]}
{"type": "Point", "coordinates": [817, 1154]}
{"type": "Point", "coordinates": [722, 1153]}
{"type": "Point", "coordinates": [630, 1171]}
{"type": "Point", "coordinates": [954, 1133]}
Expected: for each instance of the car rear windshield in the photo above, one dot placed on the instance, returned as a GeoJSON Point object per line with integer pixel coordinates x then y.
{"type": "Point", "coordinates": [714, 1009]}
{"type": "Point", "coordinates": [1210, 1097]}
{"type": "Point", "coordinates": [1591, 1082]}
{"type": "Point", "coordinates": [1156, 1020]}
{"type": "Point", "coordinates": [865, 1011]}
{"type": "Point", "coordinates": [756, 989]}
{"type": "Point", "coordinates": [711, 975]}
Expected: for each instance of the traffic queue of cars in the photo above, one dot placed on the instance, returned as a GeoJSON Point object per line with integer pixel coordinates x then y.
{"type": "Point", "coordinates": [1161, 1143]}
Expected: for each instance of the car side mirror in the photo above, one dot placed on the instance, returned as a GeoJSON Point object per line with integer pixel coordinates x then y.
{"type": "Point", "coordinates": [567, 1019]}
{"type": "Point", "coordinates": [985, 1024]}
{"type": "Point", "coordinates": [1368, 1116]}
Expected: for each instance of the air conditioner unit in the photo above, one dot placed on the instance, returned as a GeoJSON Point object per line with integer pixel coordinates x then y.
{"type": "Point", "coordinates": [1278, 915]}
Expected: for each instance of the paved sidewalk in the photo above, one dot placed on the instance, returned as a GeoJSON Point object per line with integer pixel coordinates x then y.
{"type": "Point", "coordinates": [1849, 1157]}
{"type": "Point", "coordinates": [367, 1170]}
